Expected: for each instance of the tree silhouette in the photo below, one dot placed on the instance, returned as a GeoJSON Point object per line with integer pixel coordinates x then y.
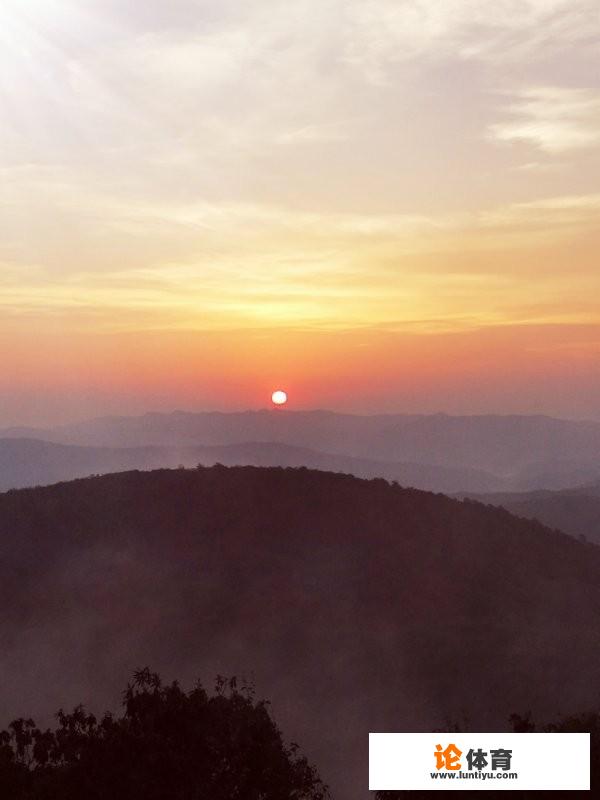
{"type": "Point", "coordinates": [167, 745]}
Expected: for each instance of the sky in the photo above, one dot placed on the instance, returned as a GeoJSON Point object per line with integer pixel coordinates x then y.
{"type": "Point", "coordinates": [377, 205]}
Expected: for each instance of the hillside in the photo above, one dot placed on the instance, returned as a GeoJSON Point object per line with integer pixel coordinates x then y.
{"type": "Point", "coordinates": [574, 511]}
{"type": "Point", "coordinates": [355, 605]}
{"type": "Point", "coordinates": [30, 462]}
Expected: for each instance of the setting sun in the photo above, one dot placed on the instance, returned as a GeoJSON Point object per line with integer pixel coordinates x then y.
{"type": "Point", "coordinates": [279, 398]}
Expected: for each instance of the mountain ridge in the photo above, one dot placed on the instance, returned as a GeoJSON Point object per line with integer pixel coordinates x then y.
{"type": "Point", "coordinates": [523, 452]}
{"type": "Point", "coordinates": [31, 462]}
{"type": "Point", "coordinates": [356, 605]}
{"type": "Point", "coordinates": [575, 511]}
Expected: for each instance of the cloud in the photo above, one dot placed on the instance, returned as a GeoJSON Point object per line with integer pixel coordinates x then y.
{"type": "Point", "coordinates": [381, 34]}
{"type": "Point", "coordinates": [553, 119]}
{"type": "Point", "coordinates": [221, 163]}
{"type": "Point", "coordinates": [311, 134]}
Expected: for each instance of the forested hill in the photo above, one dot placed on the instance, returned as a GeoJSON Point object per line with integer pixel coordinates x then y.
{"type": "Point", "coordinates": [575, 511]}
{"type": "Point", "coordinates": [355, 605]}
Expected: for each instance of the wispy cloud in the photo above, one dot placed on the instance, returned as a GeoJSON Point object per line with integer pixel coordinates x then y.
{"type": "Point", "coordinates": [381, 34]}
{"type": "Point", "coordinates": [553, 119]}
{"type": "Point", "coordinates": [220, 162]}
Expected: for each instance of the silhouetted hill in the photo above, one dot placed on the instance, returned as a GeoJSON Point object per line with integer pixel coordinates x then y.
{"type": "Point", "coordinates": [30, 462]}
{"type": "Point", "coordinates": [355, 605]}
{"type": "Point", "coordinates": [574, 511]}
{"type": "Point", "coordinates": [529, 452]}
{"type": "Point", "coordinates": [420, 476]}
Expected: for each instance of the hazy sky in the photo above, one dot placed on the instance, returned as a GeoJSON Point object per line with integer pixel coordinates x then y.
{"type": "Point", "coordinates": [377, 204]}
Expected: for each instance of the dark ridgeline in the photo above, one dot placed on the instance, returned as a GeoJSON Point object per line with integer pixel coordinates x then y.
{"type": "Point", "coordinates": [355, 605]}
{"type": "Point", "coordinates": [574, 511]}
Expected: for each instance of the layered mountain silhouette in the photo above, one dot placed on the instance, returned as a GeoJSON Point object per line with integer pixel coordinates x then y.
{"type": "Point", "coordinates": [32, 462]}
{"type": "Point", "coordinates": [575, 511]}
{"type": "Point", "coordinates": [514, 453]}
{"type": "Point", "coordinates": [355, 605]}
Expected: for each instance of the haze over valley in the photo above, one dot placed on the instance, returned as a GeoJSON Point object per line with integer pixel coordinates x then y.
{"type": "Point", "coordinates": [441, 453]}
{"type": "Point", "coordinates": [355, 605]}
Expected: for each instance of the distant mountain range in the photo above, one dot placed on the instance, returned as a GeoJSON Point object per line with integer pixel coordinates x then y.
{"type": "Point", "coordinates": [437, 452]}
{"type": "Point", "coordinates": [31, 462]}
{"type": "Point", "coordinates": [354, 605]}
{"type": "Point", "coordinates": [574, 511]}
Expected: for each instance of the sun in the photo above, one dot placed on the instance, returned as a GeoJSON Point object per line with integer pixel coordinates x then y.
{"type": "Point", "coordinates": [279, 398]}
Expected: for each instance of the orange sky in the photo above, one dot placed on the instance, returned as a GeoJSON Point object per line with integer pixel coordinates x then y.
{"type": "Point", "coordinates": [512, 369]}
{"type": "Point", "coordinates": [379, 206]}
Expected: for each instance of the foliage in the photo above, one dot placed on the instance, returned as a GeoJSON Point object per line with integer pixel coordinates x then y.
{"type": "Point", "coordinates": [167, 745]}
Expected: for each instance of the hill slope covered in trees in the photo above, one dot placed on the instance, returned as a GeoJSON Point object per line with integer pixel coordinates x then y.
{"type": "Point", "coordinates": [574, 511]}
{"type": "Point", "coordinates": [355, 605]}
